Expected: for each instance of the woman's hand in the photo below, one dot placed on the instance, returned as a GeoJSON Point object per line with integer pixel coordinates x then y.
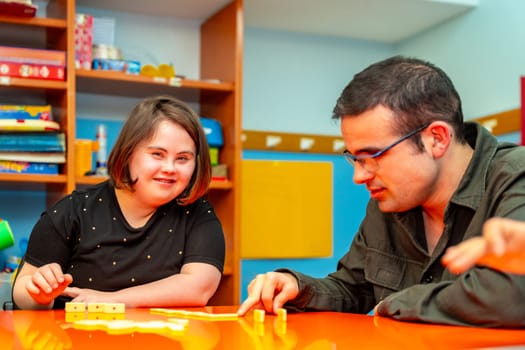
{"type": "Point", "coordinates": [46, 283]}
{"type": "Point", "coordinates": [85, 295]}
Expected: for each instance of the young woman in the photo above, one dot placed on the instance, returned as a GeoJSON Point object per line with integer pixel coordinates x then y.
{"type": "Point", "coordinates": [147, 237]}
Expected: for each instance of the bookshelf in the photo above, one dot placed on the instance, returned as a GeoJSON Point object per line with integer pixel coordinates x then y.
{"type": "Point", "coordinates": [51, 32]}
{"type": "Point", "coordinates": [217, 92]}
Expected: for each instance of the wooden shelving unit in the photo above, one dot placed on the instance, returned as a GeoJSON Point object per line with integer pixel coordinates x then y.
{"type": "Point", "coordinates": [218, 93]}
{"type": "Point", "coordinates": [52, 32]}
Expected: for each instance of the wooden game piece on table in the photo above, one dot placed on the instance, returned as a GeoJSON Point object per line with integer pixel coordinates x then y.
{"type": "Point", "coordinates": [75, 307]}
{"type": "Point", "coordinates": [281, 314]}
{"type": "Point", "coordinates": [258, 315]}
{"type": "Point", "coordinates": [95, 307]}
{"type": "Point", "coordinates": [169, 312]}
{"type": "Point", "coordinates": [195, 314]}
{"type": "Point", "coordinates": [114, 308]}
{"type": "Point", "coordinates": [223, 317]}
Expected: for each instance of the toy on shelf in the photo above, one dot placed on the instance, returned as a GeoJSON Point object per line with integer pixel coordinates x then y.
{"type": "Point", "coordinates": [161, 71]}
{"type": "Point", "coordinates": [6, 235]}
{"type": "Point", "coordinates": [83, 40]}
{"type": "Point", "coordinates": [102, 158]}
{"type": "Point", "coordinates": [213, 130]}
{"type": "Point", "coordinates": [27, 118]}
{"type": "Point", "coordinates": [83, 156]}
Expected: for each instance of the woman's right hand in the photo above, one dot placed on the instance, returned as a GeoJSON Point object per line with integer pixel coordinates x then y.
{"type": "Point", "coordinates": [43, 284]}
{"type": "Point", "coordinates": [47, 282]}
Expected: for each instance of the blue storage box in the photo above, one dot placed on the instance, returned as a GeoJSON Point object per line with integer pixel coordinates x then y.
{"type": "Point", "coordinates": [213, 130]}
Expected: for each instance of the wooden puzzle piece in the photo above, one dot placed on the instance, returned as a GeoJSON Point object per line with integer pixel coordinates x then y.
{"type": "Point", "coordinates": [196, 314]}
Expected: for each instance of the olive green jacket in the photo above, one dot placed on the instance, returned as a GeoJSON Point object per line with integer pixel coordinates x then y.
{"type": "Point", "coordinates": [388, 261]}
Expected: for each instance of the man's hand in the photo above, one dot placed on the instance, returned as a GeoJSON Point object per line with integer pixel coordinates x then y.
{"type": "Point", "coordinates": [269, 292]}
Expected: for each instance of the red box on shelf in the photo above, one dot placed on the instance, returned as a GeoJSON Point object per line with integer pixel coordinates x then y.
{"type": "Point", "coordinates": [83, 41]}
{"type": "Point", "coordinates": [34, 71]}
{"type": "Point", "coordinates": [17, 9]}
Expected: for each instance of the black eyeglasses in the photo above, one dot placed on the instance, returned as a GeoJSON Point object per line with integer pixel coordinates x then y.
{"type": "Point", "coordinates": [369, 161]}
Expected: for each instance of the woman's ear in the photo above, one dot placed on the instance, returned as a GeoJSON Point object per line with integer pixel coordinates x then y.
{"type": "Point", "coordinates": [438, 136]}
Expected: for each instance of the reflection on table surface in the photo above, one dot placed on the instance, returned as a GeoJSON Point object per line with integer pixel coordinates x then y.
{"type": "Point", "coordinates": [313, 330]}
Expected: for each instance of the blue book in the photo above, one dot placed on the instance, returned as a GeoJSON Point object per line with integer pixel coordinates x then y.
{"type": "Point", "coordinates": [32, 142]}
{"type": "Point", "coordinates": [16, 167]}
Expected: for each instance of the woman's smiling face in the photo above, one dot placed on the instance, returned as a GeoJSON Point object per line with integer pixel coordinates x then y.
{"type": "Point", "coordinates": [163, 165]}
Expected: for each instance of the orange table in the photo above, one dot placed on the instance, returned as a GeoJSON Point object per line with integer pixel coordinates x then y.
{"type": "Point", "coordinates": [319, 330]}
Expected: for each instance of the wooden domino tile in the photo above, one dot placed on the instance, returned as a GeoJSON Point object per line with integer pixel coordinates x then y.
{"type": "Point", "coordinates": [281, 314]}
{"type": "Point", "coordinates": [114, 308]}
{"type": "Point", "coordinates": [95, 307]}
{"type": "Point", "coordinates": [75, 307]}
{"type": "Point", "coordinates": [258, 315]}
{"type": "Point", "coordinates": [223, 317]}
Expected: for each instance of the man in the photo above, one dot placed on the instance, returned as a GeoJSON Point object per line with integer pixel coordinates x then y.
{"type": "Point", "coordinates": [433, 182]}
{"type": "Point", "coordinates": [501, 247]}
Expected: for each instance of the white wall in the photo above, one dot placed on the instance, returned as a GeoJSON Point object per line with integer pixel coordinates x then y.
{"type": "Point", "coordinates": [291, 81]}
{"type": "Point", "coordinates": [483, 52]}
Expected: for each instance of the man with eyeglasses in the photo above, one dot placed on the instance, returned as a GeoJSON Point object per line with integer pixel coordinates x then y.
{"type": "Point", "coordinates": [433, 181]}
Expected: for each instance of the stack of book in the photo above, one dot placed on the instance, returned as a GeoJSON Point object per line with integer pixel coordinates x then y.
{"type": "Point", "coordinates": [30, 141]}
{"type": "Point", "coordinates": [32, 63]}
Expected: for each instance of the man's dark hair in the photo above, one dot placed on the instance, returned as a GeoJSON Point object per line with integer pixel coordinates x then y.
{"type": "Point", "coordinates": [415, 90]}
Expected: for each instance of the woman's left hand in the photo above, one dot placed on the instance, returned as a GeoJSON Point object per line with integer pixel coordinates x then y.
{"type": "Point", "coordinates": [85, 295]}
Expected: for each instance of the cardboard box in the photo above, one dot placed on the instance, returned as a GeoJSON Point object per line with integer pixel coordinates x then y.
{"type": "Point", "coordinates": [83, 41]}
{"type": "Point", "coordinates": [32, 56]}
{"type": "Point", "coordinates": [214, 155]}
{"type": "Point", "coordinates": [34, 71]}
{"type": "Point", "coordinates": [213, 130]}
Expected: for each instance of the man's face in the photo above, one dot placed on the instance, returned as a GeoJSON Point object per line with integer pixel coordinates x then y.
{"type": "Point", "coordinates": [399, 179]}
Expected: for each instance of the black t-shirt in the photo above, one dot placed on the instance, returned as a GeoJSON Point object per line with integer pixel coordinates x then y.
{"type": "Point", "coordinates": [89, 237]}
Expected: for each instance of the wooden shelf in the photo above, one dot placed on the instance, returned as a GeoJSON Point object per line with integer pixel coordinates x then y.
{"type": "Point", "coordinates": [35, 21]}
{"type": "Point", "coordinates": [122, 84]}
{"type": "Point", "coordinates": [26, 83]}
{"type": "Point", "coordinates": [221, 185]}
{"type": "Point", "coordinates": [49, 179]}
{"type": "Point", "coordinates": [89, 180]}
